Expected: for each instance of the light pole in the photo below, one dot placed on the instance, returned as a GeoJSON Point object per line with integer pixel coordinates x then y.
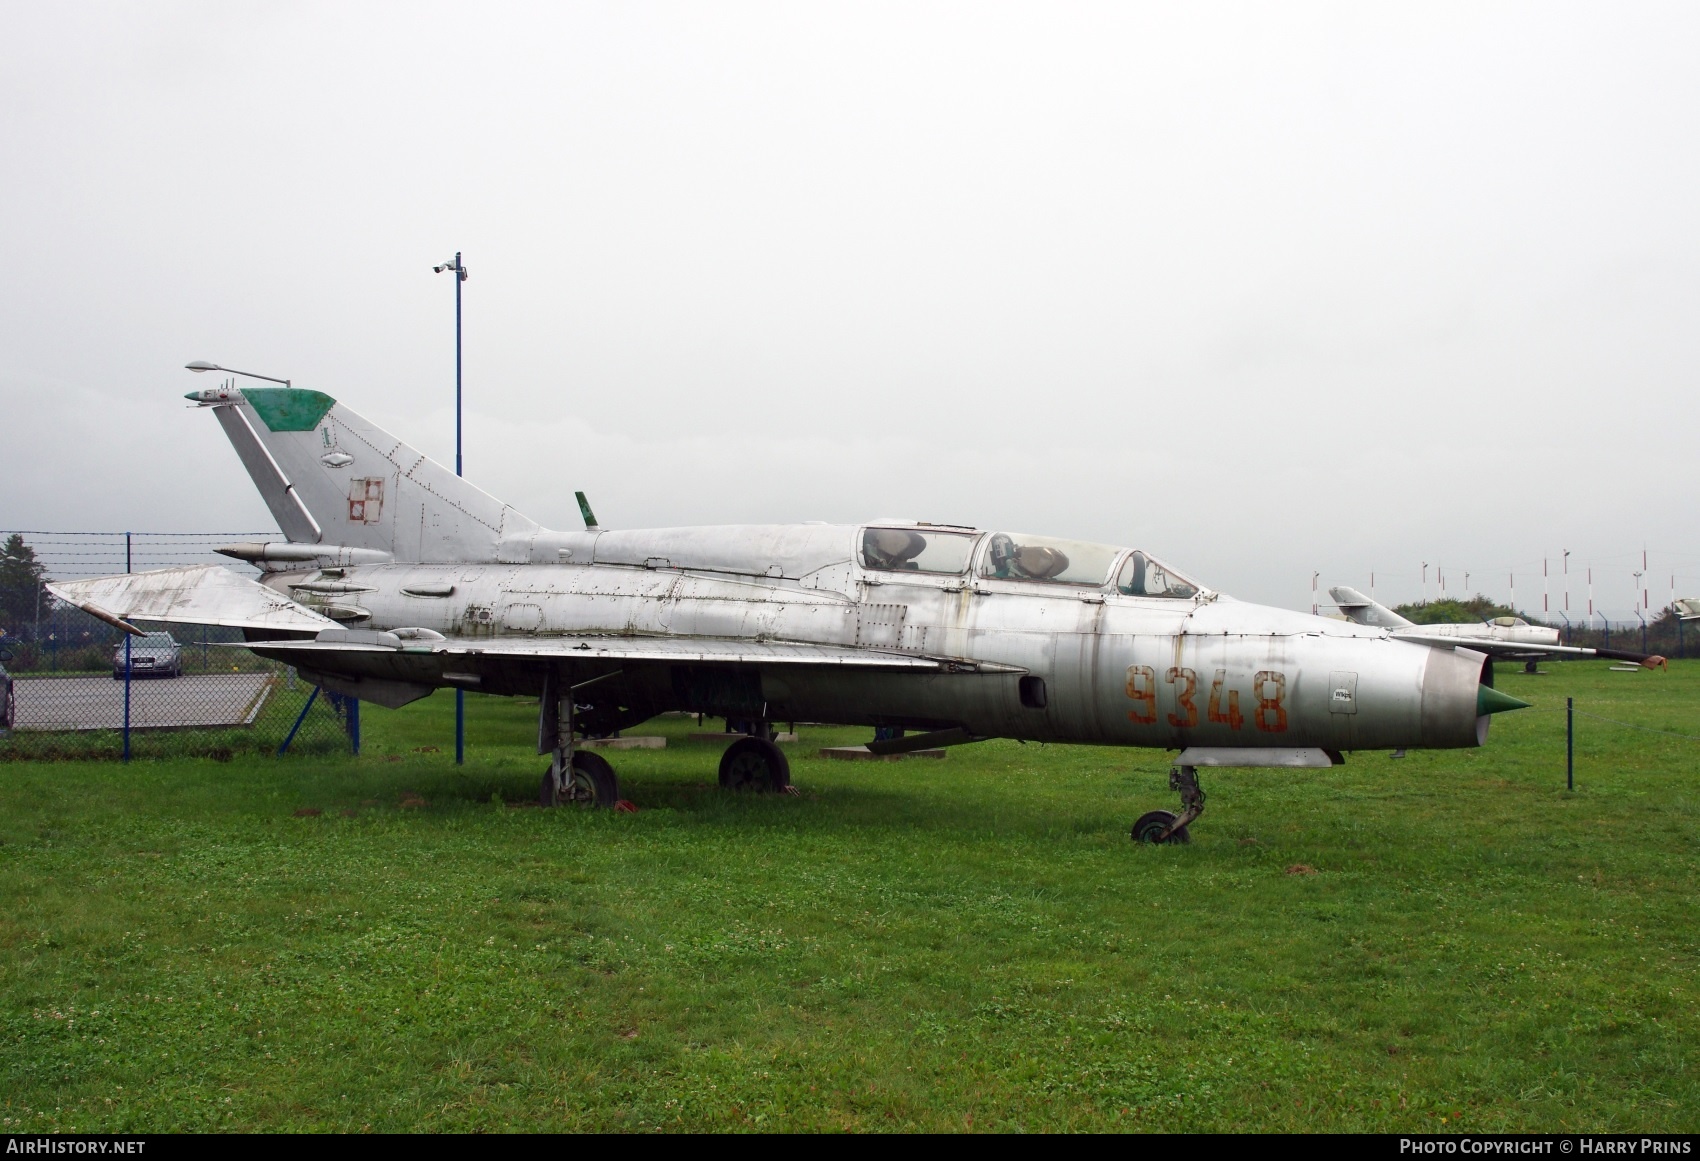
{"type": "Point", "coordinates": [458, 269]}
{"type": "Point", "coordinates": [1639, 610]}
{"type": "Point", "coordinates": [200, 365]}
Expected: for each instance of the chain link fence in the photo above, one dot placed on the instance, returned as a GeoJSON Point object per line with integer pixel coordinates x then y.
{"type": "Point", "coordinates": [82, 689]}
{"type": "Point", "coordinates": [1663, 632]}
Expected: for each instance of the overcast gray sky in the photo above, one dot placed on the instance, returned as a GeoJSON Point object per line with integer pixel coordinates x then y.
{"type": "Point", "coordinates": [1265, 289]}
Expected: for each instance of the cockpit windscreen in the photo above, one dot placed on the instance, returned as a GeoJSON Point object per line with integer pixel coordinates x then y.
{"type": "Point", "coordinates": [1143, 576]}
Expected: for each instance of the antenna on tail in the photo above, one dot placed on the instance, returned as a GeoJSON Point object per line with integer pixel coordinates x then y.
{"type": "Point", "coordinates": [590, 524]}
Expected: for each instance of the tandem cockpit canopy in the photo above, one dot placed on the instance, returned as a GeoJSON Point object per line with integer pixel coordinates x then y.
{"type": "Point", "coordinates": [917, 549]}
{"type": "Point", "coordinates": [1012, 556]}
{"type": "Point", "coordinates": [1142, 576]}
{"type": "Point", "coordinates": [1022, 557]}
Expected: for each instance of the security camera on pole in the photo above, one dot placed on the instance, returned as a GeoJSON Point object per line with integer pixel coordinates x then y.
{"type": "Point", "coordinates": [459, 272]}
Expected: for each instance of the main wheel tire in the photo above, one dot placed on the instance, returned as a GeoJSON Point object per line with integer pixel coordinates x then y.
{"type": "Point", "coordinates": [593, 784]}
{"type": "Point", "coordinates": [754, 764]}
{"type": "Point", "coordinates": [1153, 823]}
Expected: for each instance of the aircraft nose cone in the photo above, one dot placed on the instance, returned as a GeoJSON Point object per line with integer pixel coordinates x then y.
{"type": "Point", "coordinates": [1490, 701]}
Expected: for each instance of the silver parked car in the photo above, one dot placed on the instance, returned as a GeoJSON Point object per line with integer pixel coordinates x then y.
{"type": "Point", "coordinates": [151, 655]}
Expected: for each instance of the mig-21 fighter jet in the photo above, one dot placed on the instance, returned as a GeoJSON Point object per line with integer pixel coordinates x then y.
{"type": "Point", "coordinates": [1510, 638]}
{"type": "Point", "coordinates": [398, 578]}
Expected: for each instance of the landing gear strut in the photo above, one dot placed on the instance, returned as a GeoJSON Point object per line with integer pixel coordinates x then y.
{"type": "Point", "coordinates": [575, 777]}
{"type": "Point", "coordinates": [592, 782]}
{"type": "Point", "coordinates": [1163, 826]}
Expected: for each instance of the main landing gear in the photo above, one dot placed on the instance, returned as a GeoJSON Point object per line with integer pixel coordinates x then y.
{"type": "Point", "coordinates": [590, 783]}
{"type": "Point", "coordinates": [575, 777]}
{"type": "Point", "coordinates": [755, 763]}
{"type": "Point", "coordinates": [584, 778]}
{"type": "Point", "coordinates": [1164, 826]}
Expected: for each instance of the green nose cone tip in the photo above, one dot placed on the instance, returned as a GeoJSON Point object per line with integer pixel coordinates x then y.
{"type": "Point", "coordinates": [1490, 701]}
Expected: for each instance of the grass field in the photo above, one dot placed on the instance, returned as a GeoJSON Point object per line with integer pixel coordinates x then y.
{"type": "Point", "coordinates": [1446, 941]}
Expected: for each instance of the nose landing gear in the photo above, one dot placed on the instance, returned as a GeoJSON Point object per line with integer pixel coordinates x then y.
{"type": "Point", "coordinates": [1163, 826]}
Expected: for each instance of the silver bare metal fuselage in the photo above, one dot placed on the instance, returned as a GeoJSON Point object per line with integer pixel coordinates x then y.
{"type": "Point", "coordinates": [1110, 669]}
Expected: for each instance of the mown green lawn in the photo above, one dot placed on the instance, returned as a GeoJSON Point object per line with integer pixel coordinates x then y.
{"type": "Point", "coordinates": [962, 944]}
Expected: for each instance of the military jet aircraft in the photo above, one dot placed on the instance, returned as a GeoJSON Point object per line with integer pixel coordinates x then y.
{"type": "Point", "coordinates": [398, 578]}
{"type": "Point", "coordinates": [1511, 638]}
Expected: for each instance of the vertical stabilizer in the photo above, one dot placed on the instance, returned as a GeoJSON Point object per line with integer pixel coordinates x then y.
{"type": "Point", "coordinates": [1364, 611]}
{"type": "Point", "coordinates": [331, 477]}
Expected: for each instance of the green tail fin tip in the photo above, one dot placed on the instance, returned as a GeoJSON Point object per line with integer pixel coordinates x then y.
{"type": "Point", "coordinates": [584, 510]}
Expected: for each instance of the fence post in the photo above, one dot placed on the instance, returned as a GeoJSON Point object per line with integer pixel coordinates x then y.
{"type": "Point", "coordinates": [1570, 743]}
{"type": "Point", "coordinates": [354, 724]}
{"type": "Point", "coordinates": [127, 569]}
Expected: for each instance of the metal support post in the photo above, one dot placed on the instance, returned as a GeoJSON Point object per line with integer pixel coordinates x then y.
{"type": "Point", "coordinates": [299, 718]}
{"type": "Point", "coordinates": [127, 569]}
{"type": "Point", "coordinates": [1570, 743]}
{"type": "Point", "coordinates": [460, 694]}
{"type": "Point", "coordinates": [354, 724]}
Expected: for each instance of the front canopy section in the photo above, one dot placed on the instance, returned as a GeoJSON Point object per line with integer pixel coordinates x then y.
{"type": "Point", "coordinates": [1014, 556]}
{"type": "Point", "coordinates": [1020, 556]}
{"type": "Point", "coordinates": [1142, 575]}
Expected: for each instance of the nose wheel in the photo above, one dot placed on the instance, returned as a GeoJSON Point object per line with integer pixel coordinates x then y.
{"type": "Point", "coordinates": [1158, 826]}
{"type": "Point", "coordinates": [1164, 826]}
